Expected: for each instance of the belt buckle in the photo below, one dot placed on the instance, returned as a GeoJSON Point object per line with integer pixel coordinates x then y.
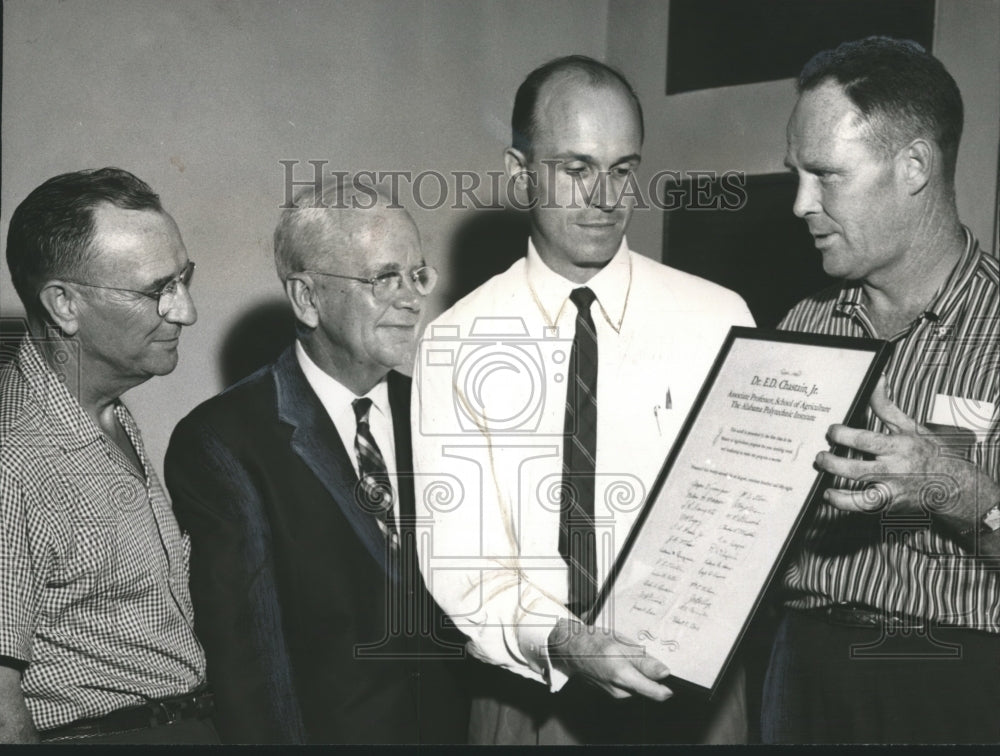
{"type": "Point", "coordinates": [163, 714]}
{"type": "Point", "coordinates": [895, 623]}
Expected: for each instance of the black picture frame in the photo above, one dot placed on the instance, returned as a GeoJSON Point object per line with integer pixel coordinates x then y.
{"type": "Point", "coordinates": [879, 354]}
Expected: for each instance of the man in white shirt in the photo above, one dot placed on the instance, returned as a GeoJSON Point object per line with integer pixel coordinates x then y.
{"type": "Point", "coordinates": [498, 440]}
{"type": "Point", "coordinates": [296, 488]}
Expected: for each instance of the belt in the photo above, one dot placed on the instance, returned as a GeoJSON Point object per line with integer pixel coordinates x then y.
{"type": "Point", "coordinates": [854, 615]}
{"type": "Point", "coordinates": [198, 704]}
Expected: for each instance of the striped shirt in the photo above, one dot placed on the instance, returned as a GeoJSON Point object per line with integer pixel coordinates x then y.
{"type": "Point", "coordinates": [93, 583]}
{"type": "Point", "coordinates": [948, 356]}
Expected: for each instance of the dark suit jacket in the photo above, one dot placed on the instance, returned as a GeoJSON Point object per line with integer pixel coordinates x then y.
{"type": "Point", "coordinates": [312, 630]}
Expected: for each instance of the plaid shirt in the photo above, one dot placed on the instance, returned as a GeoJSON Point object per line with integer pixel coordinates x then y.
{"type": "Point", "coordinates": [93, 567]}
{"type": "Point", "coordinates": [946, 364]}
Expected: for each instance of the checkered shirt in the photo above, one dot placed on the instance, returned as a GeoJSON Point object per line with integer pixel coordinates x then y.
{"type": "Point", "coordinates": [93, 567]}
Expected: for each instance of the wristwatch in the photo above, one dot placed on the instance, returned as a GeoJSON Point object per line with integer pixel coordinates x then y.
{"type": "Point", "coordinates": [986, 525]}
{"type": "Point", "coordinates": [991, 520]}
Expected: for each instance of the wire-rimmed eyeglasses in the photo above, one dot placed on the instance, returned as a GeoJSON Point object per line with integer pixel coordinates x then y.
{"type": "Point", "coordinates": [385, 286]}
{"type": "Point", "coordinates": [164, 296]}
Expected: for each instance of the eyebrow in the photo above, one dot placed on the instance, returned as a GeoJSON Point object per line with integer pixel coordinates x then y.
{"type": "Point", "coordinates": [391, 267]}
{"type": "Point", "coordinates": [633, 158]}
{"type": "Point", "coordinates": [162, 281]}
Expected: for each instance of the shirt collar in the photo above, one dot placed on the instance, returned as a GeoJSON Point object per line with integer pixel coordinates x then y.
{"type": "Point", "coordinates": [67, 424]}
{"type": "Point", "coordinates": [335, 397]}
{"type": "Point", "coordinates": [611, 286]}
{"type": "Point", "coordinates": [850, 299]}
{"type": "Point", "coordinates": [964, 270]}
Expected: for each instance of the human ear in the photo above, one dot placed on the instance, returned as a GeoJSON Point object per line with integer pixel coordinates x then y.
{"type": "Point", "coordinates": [524, 180]}
{"type": "Point", "coordinates": [916, 163]}
{"type": "Point", "coordinates": [299, 291]}
{"type": "Point", "coordinates": [62, 305]}
{"type": "Point", "coordinates": [515, 162]}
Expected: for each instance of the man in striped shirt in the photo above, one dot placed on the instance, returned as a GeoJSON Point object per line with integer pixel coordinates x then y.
{"type": "Point", "coordinates": [892, 625]}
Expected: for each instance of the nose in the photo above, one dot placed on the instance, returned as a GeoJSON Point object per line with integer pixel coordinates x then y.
{"type": "Point", "coordinates": [408, 298]}
{"type": "Point", "coordinates": [181, 309]}
{"type": "Point", "coordinates": [604, 193]}
{"type": "Point", "coordinates": [807, 197]}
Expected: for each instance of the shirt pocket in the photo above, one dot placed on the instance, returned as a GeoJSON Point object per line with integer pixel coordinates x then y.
{"type": "Point", "coordinates": [94, 525]}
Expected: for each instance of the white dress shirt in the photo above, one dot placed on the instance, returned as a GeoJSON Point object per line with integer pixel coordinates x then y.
{"type": "Point", "coordinates": [488, 414]}
{"type": "Point", "coordinates": [338, 400]}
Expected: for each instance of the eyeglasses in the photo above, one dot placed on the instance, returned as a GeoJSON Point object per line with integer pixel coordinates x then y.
{"type": "Point", "coordinates": [386, 286]}
{"type": "Point", "coordinates": [165, 296]}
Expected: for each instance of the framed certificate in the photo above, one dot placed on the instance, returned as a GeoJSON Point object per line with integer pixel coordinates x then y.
{"type": "Point", "coordinates": [731, 494]}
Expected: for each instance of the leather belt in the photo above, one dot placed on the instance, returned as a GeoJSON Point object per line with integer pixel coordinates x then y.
{"type": "Point", "coordinates": [854, 615]}
{"type": "Point", "coordinates": [198, 704]}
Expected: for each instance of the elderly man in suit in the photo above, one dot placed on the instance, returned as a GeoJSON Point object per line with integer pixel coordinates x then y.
{"type": "Point", "coordinates": [295, 485]}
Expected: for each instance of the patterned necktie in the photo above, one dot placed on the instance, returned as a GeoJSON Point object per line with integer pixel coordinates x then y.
{"type": "Point", "coordinates": [375, 490]}
{"type": "Point", "coordinates": [577, 542]}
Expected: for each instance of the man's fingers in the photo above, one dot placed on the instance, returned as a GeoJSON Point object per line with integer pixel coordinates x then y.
{"type": "Point", "coordinates": [863, 440]}
{"type": "Point", "coordinates": [618, 666]}
{"type": "Point", "coordinates": [635, 680]}
{"type": "Point", "coordinates": [874, 498]}
{"type": "Point", "coordinates": [887, 411]}
{"type": "Point", "coordinates": [852, 469]}
{"type": "Point", "coordinates": [612, 690]}
{"type": "Point", "coordinates": [652, 668]}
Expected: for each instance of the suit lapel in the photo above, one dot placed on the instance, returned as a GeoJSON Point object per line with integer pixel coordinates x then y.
{"type": "Point", "coordinates": [316, 441]}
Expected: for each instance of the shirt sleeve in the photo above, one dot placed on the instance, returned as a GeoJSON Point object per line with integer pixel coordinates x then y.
{"type": "Point", "coordinates": [470, 558]}
{"type": "Point", "coordinates": [22, 570]}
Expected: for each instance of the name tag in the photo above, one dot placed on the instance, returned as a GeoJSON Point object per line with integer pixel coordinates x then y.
{"type": "Point", "coordinates": [976, 415]}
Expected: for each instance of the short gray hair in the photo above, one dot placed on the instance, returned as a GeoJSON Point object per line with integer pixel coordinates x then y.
{"type": "Point", "coordinates": [317, 217]}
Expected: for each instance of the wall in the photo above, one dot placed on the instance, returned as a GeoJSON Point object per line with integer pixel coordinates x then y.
{"type": "Point", "coordinates": [743, 128]}
{"type": "Point", "coordinates": [202, 99]}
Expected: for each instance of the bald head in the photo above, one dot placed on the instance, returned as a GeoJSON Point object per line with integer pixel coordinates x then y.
{"type": "Point", "coordinates": [546, 83]}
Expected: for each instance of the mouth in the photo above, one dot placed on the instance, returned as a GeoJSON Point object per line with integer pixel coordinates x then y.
{"type": "Point", "coordinates": [821, 240]}
{"type": "Point", "coordinates": [602, 225]}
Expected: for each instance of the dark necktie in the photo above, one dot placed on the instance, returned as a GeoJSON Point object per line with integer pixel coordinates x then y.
{"type": "Point", "coordinates": [375, 491]}
{"type": "Point", "coordinates": [577, 543]}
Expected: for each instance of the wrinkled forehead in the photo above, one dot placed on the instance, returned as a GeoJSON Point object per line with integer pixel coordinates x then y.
{"type": "Point", "coordinates": [570, 102]}
{"type": "Point", "coordinates": [134, 238]}
{"type": "Point", "coordinates": [368, 237]}
{"type": "Point", "coordinates": [824, 113]}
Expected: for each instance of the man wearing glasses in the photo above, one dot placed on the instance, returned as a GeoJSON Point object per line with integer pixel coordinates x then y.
{"type": "Point", "coordinates": [296, 488]}
{"type": "Point", "coordinates": [545, 403]}
{"type": "Point", "coordinates": [96, 635]}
